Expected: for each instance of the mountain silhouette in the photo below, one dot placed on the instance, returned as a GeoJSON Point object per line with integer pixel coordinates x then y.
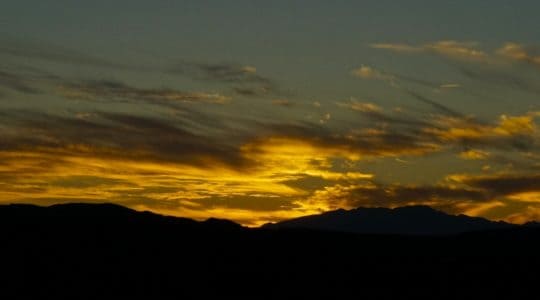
{"type": "Point", "coordinates": [83, 215]}
{"type": "Point", "coordinates": [106, 251]}
{"type": "Point", "coordinates": [408, 220]}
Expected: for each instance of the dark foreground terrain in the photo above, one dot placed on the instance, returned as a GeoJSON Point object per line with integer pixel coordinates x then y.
{"type": "Point", "coordinates": [108, 252]}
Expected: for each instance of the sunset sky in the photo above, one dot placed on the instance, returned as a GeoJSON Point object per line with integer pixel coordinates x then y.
{"type": "Point", "coordinates": [259, 111]}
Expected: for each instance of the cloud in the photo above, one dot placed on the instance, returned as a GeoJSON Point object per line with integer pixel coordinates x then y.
{"type": "Point", "coordinates": [530, 213]}
{"type": "Point", "coordinates": [365, 107]}
{"type": "Point", "coordinates": [44, 51]}
{"type": "Point", "coordinates": [17, 83]}
{"type": "Point", "coordinates": [157, 164]}
{"type": "Point", "coordinates": [514, 186]}
{"type": "Point", "coordinates": [116, 91]}
{"type": "Point", "coordinates": [474, 154]}
{"type": "Point", "coordinates": [469, 51]}
{"type": "Point", "coordinates": [519, 52]}
{"type": "Point", "coordinates": [225, 72]}
{"type": "Point", "coordinates": [501, 78]}
{"type": "Point", "coordinates": [450, 86]}
{"type": "Point", "coordinates": [367, 72]}
{"type": "Point", "coordinates": [510, 132]}
{"type": "Point", "coordinates": [229, 73]}
{"type": "Point", "coordinates": [352, 145]}
{"type": "Point", "coordinates": [113, 135]}
{"type": "Point", "coordinates": [282, 102]}
{"type": "Point", "coordinates": [162, 165]}
{"type": "Point", "coordinates": [447, 48]}
{"type": "Point", "coordinates": [254, 168]}
{"type": "Point", "coordinates": [396, 118]}
{"type": "Point", "coordinates": [244, 79]}
{"type": "Point", "coordinates": [446, 130]}
{"type": "Point", "coordinates": [372, 194]}
{"type": "Point", "coordinates": [474, 195]}
{"type": "Point", "coordinates": [397, 47]}
{"type": "Point", "coordinates": [396, 80]}
{"type": "Point", "coordinates": [246, 91]}
{"type": "Point", "coordinates": [456, 49]}
{"type": "Point", "coordinates": [439, 107]}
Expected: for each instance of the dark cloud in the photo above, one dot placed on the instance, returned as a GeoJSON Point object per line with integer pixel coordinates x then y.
{"type": "Point", "coordinates": [282, 102]}
{"type": "Point", "coordinates": [244, 80]}
{"type": "Point", "coordinates": [449, 129]}
{"type": "Point", "coordinates": [85, 181]}
{"type": "Point", "coordinates": [40, 50]}
{"type": "Point", "coordinates": [396, 195]}
{"type": "Point", "coordinates": [17, 83]}
{"type": "Point", "coordinates": [381, 117]}
{"type": "Point", "coordinates": [107, 91]}
{"type": "Point", "coordinates": [246, 91]}
{"type": "Point", "coordinates": [120, 136]}
{"type": "Point", "coordinates": [356, 142]}
{"type": "Point", "coordinates": [254, 91]}
{"type": "Point", "coordinates": [500, 78]}
{"type": "Point", "coordinates": [225, 72]}
{"type": "Point", "coordinates": [437, 106]}
{"type": "Point", "coordinates": [505, 184]}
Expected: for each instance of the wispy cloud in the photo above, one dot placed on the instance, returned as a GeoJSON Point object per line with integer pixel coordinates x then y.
{"type": "Point", "coordinates": [518, 187]}
{"type": "Point", "coordinates": [470, 51]}
{"type": "Point", "coordinates": [17, 83]}
{"type": "Point", "coordinates": [447, 48]}
{"type": "Point", "coordinates": [520, 53]}
{"type": "Point", "coordinates": [162, 165]}
{"type": "Point", "coordinates": [117, 91]}
{"type": "Point", "coordinates": [396, 80]}
{"type": "Point", "coordinates": [225, 72]}
{"type": "Point", "coordinates": [367, 72]}
{"type": "Point", "coordinates": [282, 102]}
{"type": "Point", "coordinates": [44, 51]}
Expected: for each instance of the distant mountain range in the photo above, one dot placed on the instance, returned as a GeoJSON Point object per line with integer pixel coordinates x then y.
{"type": "Point", "coordinates": [408, 220]}
{"type": "Point", "coordinates": [103, 251]}
{"type": "Point", "coordinates": [100, 214]}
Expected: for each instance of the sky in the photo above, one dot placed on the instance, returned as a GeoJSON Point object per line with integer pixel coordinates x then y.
{"type": "Point", "coordinates": [260, 111]}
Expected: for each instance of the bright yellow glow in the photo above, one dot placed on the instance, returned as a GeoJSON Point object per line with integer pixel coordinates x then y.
{"type": "Point", "coordinates": [212, 188]}
{"type": "Point", "coordinates": [457, 128]}
{"type": "Point", "coordinates": [526, 197]}
{"type": "Point", "coordinates": [478, 209]}
{"type": "Point", "coordinates": [175, 188]}
{"type": "Point", "coordinates": [474, 154]}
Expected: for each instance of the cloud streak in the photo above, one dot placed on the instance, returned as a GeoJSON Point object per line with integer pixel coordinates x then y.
{"type": "Point", "coordinates": [447, 48]}
{"type": "Point", "coordinates": [469, 51]}
{"type": "Point", "coordinates": [117, 91]}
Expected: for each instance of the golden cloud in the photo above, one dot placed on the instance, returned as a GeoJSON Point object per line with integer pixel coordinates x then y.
{"type": "Point", "coordinates": [518, 52]}
{"type": "Point", "coordinates": [448, 48]}
{"type": "Point", "coordinates": [468, 51]}
{"type": "Point", "coordinates": [367, 72]}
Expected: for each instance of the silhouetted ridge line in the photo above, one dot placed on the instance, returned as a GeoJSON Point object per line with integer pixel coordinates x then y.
{"type": "Point", "coordinates": [100, 214]}
{"type": "Point", "coordinates": [102, 251]}
{"type": "Point", "coordinates": [407, 220]}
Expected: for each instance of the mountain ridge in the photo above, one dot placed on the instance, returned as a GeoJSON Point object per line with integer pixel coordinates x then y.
{"type": "Point", "coordinates": [102, 251]}
{"type": "Point", "coordinates": [405, 220]}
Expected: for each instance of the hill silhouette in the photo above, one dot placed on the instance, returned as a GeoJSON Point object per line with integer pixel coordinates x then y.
{"type": "Point", "coordinates": [103, 251]}
{"type": "Point", "coordinates": [408, 220]}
